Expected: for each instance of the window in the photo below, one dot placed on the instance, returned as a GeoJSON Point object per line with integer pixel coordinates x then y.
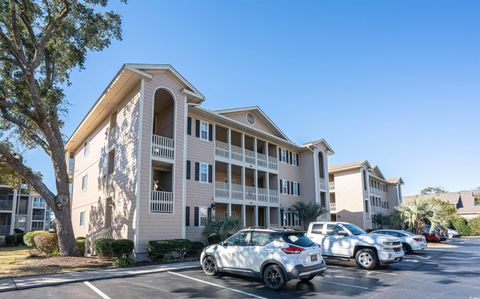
{"type": "Point", "coordinates": [366, 205]}
{"type": "Point", "coordinates": [295, 190]}
{"type": "Point", "coordinates": [294, 159]}
{"type": "Point", "coordinates": [334, 229]}
{"type": "Point", "coordinates": [317, 229]}
{"type": "Point", "coordinates": [284, 186]}
{"type": "Point", "coordinates": [188, 169]}
{"type": "Point", "coordinates": [86, 148]}
{"type": "Point", "coordinates": [203, 216]}
{"type": "Point", "coordinates": [364, 180]}
{"type": "Point", "coordinates": [283, 155]}
{"type": "Point", "coordinates": [476, 199]}
{"type": "Point", "coordinates": [261, 239]}
{"type": "Point", "coordinates": [237, 240]}
{"type": "Point", "coordinates": [204, 172]}
{"type": "Point", "coordinates": [250, 119]}
{"type": "Point", "coordinates": [204, 130]}
{"type": "Point", "coordinates": [187, 216]}
{"type": "Point", "coordinates": [84, 182]}
{"type": "Point", "coordinates": [82, 219]}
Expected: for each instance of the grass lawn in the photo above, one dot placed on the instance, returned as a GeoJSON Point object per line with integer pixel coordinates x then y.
{"type": "Point", "coordinates": [18, 261]}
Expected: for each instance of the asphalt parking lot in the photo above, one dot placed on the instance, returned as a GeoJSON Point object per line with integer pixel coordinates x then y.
{"type": "Point", "coordinates": [452, 272]}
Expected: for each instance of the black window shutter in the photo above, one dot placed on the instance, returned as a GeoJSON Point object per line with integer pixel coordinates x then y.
{"type": "Point", "coordinates": [189, 125]}
{"type": "Point", "coordinates": [197, 171]}
{"type": "Point", "coordinates": [209, 215]}
{"type": "Point", "coordinates": [287, 157]}
{"type": "Point", "coordinates": [291, 187]}
{"type": "Point", "coordinates": [188, 169]}
{"type": "Point", "coordinates": [187, 216]}
{"type": "Point", "coordinates": [279, 154]}
{"type": "Point", "coordinates": [196, 214]}
{"type": "Point", "coordinates": [210, 132]}
{"type": "Point", "coordinates": [281, 186]}
{"type": "Point", "coordinates": [288, 187]}
{"type": "Point", "coordinates": [197, 128]}
{"type": "Point", "coordinates": [298, 159]}
{"type": "Point", "coordinates": [291, 160]}
{"type": "Point", "coordinates": [210, 173]}
{"type": "Point", "coordinates": [298, 186]}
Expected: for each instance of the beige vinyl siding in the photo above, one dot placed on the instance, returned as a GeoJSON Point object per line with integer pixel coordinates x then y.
{"type": "Point", "coordinates": [155, 226]}
{"type": "Point", "coordinates": [349, 197]}
{"type": "Point", "coordinates": [259, 124]}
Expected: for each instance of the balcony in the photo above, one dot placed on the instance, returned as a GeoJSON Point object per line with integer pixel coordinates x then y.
{"type": "Point", "coordinates": [163, 147]}
{"type": "Point", "coordinates": [237, 153]}
{"type": "Point", "coordinates": [333, 207]}
{"type": "Point", "coordinates": [331, 186]}
{"type": "Point", "coordinates": [273, 163]}
{"type": "Point", "coordinates": [40, 205]}
{"type": "Point", "coordinates": [6, 204]}
{"type": "Point", "coordinates": [38, 216]}
{"type": "Point", "coordinates": [249, 157]}
{"type": "Point", "coordinates": [251, 193]}
{"type": "Point", "coordinates": [262, 160]}
{"type": "Point", "coordinates": [221, 149]}
{"type": "Point", "coordinates": [161, 202]}
{"type": "Point", "coordinates": [375, 191]}
{"type": "Point", "coordinates": [262, 194]}
{"type": "Point", "coordinates": [244, 155]}
{"type": "Point", "coordinates": [237, 191]}
{"type": "Point", "coordinates": [222, 190]}
{"type": "Point", "coordinates": [273, 196]}
{"type": "Point", "coordinates": [323, 184]}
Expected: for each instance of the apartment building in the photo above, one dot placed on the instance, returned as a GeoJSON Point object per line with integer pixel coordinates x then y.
{"type": "Point", "coordinates": [22, 209]}
{"type": "Point", "coordinates": [148, 162]}
{"type": "Point", "coordinates": [360, 193]}
{"type": "Point", "coordinates": [466, 202]}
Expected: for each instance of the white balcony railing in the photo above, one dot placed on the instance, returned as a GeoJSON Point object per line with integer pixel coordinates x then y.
{"type": "Point", "coordinates": [272, 163]}
{"type": "Point", "coordinates": [331, 186]}
{"type": "Point", "coordinates": [250, 193]}
{"type": "Point", "coordinates": [333, 206]}
{"type": "Point", "coordinates": [262, 160]}
{"type": "Point", "coordinates": [249, 157]}
{"type": "Point", "coordinates": [41, 204]}
{"type": "Point", "coordinates": [162, 147]}
{"type": "Point", "coordinates": [323, 184]}
{"type": "Point", "coordinates": [262, 194]}
{"type": "Point", "coordinates": [237, 191]}
{"type": "Point", "coordinates": [237, 153]}
{"type": "Point", "coordinates": [221, 149]}
{"type": "Point", "coordinates": [273, 195]}
{"type": "Point", "coordinates": [161, 202]}
{"type": "Point", "coordinates": [221, 190]}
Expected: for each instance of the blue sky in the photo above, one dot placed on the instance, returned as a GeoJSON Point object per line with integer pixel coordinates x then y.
{"type": "Point", "coordinates": [394, 82]}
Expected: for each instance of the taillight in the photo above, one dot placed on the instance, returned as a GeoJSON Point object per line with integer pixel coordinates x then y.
{"type": "Point", "coordinates": [418, 239]}
{"type": "Point", "coordinates": [292, 250]}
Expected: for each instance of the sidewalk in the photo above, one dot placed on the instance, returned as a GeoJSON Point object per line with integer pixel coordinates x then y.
{"type": "Point", "coordinates": [19, 283]}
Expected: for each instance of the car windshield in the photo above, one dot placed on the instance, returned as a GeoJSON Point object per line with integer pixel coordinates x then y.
{"type": "Point", "coordinates": [298, 239]}
{"type": "Point", "coordinates": [354, 229]}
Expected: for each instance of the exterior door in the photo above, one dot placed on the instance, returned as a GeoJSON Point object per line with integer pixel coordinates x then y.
{"type": "Point", "coordinates": [336, 243]}
{"type": "Point", "coordinates": [231, 252]}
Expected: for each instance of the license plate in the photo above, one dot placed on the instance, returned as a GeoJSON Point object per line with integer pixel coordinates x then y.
{"type": "Point", "coordinates": [314, 258]}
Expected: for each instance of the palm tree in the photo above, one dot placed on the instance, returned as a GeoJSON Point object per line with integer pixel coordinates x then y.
{"type": "Point", "coordinates": [307, 212]}
{"type": "Point", "coordinates": [417, 213]}
{"type": "Point", "coordinates": [218, 230]}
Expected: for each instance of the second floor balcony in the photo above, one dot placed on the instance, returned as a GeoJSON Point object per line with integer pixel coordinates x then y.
{"type": "Point", "coordinates": [6, 204]}
{"type": "Point", "coordinates": [236, 153]}
{"type": "Point", "coordinates": [333, 207]}
{"type": "Point", "coordinates": [240, 192]}
{"type": "Point", "coordinates": [163, 147]}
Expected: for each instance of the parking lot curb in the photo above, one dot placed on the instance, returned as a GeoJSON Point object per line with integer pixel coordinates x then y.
{"type": "Point", "coordinates": [22, 283]}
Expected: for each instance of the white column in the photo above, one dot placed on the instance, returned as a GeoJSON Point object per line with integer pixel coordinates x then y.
{"type": "Point", "coordinates": [244, 216]}
{"type": "Point", "coordinates": [229, 175]}
{"type": "Point", "coordinates": [255, 183]}
{"type": "Point", "coordinates": [255, 149]}
{"type": "Point", "coordinates": [243, 182]}
{"type": "Point", "coordinates": [267, 220]}
{"type": "Point", "coordinates": [243, 147]}
{"type": "Point", "coordinates": [267, 184]}
{"type": "Point", "coordinates": [14, 211]}
{"type": "Point", "coordinates": [229, 210]}
{"type": "Point", "coordinates": [229, 141]}
{"type": "Point", "coordinates": [255, 220]}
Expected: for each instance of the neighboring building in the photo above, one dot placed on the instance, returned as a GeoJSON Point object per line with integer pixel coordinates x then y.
{"type": "Point", "coordinates": [466, 202]}
{"type": "Point", "coordinates": [149, 163]}
{"type": "Point", "coordinates": [360, 194]}
{"type": "Point", "coordinates": [22, 209]}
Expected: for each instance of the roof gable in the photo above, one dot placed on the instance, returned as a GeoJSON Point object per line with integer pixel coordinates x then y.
{"type": "Point", "coordinates": [261, 121]}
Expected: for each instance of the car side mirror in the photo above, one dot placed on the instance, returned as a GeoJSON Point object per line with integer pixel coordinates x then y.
{"type": "Point", "coordinates": [224, 244]}
{"type": "Point", "coordinates": [343, 234]}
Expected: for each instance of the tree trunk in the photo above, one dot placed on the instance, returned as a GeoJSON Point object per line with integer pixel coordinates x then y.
{"type": "Point", "coordinates": [66, 241]}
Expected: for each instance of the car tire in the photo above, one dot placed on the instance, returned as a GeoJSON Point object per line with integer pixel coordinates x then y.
{"type": "Point", "coordinates": [273, 277]}
{"type": "Point", "coordinates": [307, 278]}
{"type": "Point", "coordinates": [209, 266]}
{"type": "Point", "coordinates": [366, 259]}
{"type": "Point", "coordinates": [407, 248]}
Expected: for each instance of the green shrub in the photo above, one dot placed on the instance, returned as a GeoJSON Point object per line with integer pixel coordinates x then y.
{"type": "Point", "coordinates": [10, 240]}
{"type": "Point", "coordinates": [196, 248]}
{"type": "Point", "coordinates": [80, 246]}
{"type": "Point", "coordinates": [19, 239]}
{"type": "Point", "coordinates": [474, 225]}
{"type": "Point", "coordinates": [460, 224]}
{"type": "Point", "coordinates": [28, 237]}
{"type": "Point", "coordinates": [157, 250]}
{"type": "Point", "coordinates": [48, 243]}
{"type": "Point", "coordinates": [122, 248]}
{"type": "Point", "coordinates": [103, 247]}
{"type": "Point", "coordinates": [123, 262]}
{"type": "Point", "coordinates": [80, 238]}
{"type": "Point", "coordinates": [18, 231]}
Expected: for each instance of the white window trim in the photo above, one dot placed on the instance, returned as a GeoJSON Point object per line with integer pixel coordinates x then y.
{"type": "Point", "coordinates": [295, 189]}
{"type": "Point", "coordinates": [80, 219]}
{"type": "Point", "coordinates": [284, 186]}
{"type": "Point", "coordinates": [294, 159]}
{"type": "Point", "coordinates": [84, 188]}
{"type": "Point", "coordinates": [203, 123]}
{"type": "Point", "coordinates": [86, 148]}
{"type": "Point", "coordinates": [283, 155]}
{"type": "Point", "coordinates": [200, 173]}
{"type": "Point", "coordinates": [200, 216]}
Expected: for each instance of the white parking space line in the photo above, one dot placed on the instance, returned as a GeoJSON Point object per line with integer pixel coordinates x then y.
{"type": "Point", "coordinates": [345, 284]}
{"type": "Point", "coordinates": [422, 257]}
{"type": "Point", "coordinates": [100, 293]}
{"type": "Point", "coordinates": [378, 272]}
{"type": "Point", "coordinates": [217, 285]}
{"type": "Point", "coordinates": [361, 271]}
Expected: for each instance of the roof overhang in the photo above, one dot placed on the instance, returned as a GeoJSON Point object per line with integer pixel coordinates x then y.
{"type": "Point", "coordinates": [318, 142]}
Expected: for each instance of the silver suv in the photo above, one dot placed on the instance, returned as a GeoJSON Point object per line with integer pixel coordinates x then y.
{"type": "Point", "coordinates": [275, 256]}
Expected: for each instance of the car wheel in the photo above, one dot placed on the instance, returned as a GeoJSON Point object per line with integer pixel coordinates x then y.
{"type": "Point", "coordinates": [307, 278]}
{"type": "Point", "coordinates": [273, 277]}
{"type": "Point", "coordinates": [209, 266]}
{"type": "Point", "coordinates": [406, 248]}
{"type": "Point", "coordinates": [366, 259]}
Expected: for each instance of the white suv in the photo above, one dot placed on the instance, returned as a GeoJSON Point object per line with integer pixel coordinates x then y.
{"type": "Point", "coordinates": [345, 240]}
{"type": "Point", "coordinates": [274, 255]}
